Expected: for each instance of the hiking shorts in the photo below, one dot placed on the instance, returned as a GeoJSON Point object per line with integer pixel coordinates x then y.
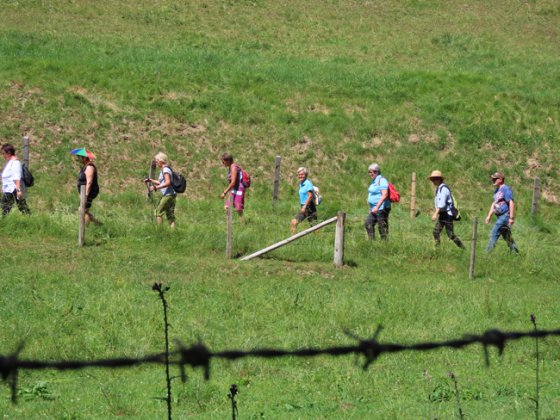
{"type": "Point", "coordinates": [238, 199]}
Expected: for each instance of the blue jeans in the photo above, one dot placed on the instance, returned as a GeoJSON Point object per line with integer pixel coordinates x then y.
{"type": "Point", "coordinates": [501, 228]}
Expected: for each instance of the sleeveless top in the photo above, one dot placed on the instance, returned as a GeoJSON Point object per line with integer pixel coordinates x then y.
{"type": "Point", "coordinates": [94, 190]}
{"type": "Point", "coordinates": [237, 184]}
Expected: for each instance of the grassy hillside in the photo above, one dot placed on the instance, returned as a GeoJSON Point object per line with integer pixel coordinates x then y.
{"type": "Point", "coordinates": [468, 88]}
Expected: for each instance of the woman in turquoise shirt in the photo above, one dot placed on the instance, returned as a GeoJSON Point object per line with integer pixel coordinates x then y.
{"type": "Point", "coordinates": [379, 203]}
{"type": "Point", "coordinates": [307, 204]}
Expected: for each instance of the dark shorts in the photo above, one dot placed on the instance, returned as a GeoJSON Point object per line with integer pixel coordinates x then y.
{"type": "Point", "coordinates": [310, 214]}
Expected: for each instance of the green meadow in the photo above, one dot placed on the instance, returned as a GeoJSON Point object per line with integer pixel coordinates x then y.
{"type": "Point", "coordinates": [468, 88]}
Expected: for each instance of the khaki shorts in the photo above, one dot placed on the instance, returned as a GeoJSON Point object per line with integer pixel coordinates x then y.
{"type": "Point", "coordinates": [166, 206]}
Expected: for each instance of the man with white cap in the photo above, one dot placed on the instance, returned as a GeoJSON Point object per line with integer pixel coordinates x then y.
{"type": "Point", "coordinates": [444, 210]}
{"type": "Point", "coordinates": [503, 207]}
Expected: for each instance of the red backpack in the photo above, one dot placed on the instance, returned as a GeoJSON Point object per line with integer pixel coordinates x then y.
{"type": "Point", "coordinates": [394, 196]}
{"type": "Point", "coordinates": [244, 177]}
{"type": "Point", "coordinates": [246, 180]}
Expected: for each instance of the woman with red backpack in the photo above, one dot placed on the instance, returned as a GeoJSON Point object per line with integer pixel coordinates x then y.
{"type": "Point", "coordinates": [238, 184]}
{"type": "Point", "coordinates": [379, 203]}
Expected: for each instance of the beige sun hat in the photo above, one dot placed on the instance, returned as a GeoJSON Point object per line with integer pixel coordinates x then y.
{"type": "Point", "coordinates": [497, 175]}
{"type": "Point", "coordinates": [436, 174]}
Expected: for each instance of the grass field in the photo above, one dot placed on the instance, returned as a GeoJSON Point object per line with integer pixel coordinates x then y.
{"type": "Point", "coordinates": [465, 87]}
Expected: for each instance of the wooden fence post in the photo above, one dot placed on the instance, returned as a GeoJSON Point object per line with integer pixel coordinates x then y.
{"type": "Point", "coordinates": [473, 248]}
{"type": "Point", "coordinates": [413, 197]}
{"type": "Point", "coordinates": [25, 150]}
{"type": "Point", "coordinates": [536, 193]}
{"type": "Point", "coordinates": [276, 180]}
{"type": "Point", "coordinates": [229, 214]}
{"type": "Point", "coordinates": [82, 216]}
{"type": "Point", "coordinates": [339, 239]}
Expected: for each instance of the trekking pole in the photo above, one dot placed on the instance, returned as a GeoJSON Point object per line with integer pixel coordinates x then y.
{"type": "Point", "coordinates": [149, 186]}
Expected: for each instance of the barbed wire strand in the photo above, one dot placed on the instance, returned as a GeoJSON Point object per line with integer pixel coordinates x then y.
{"type": "Point", "coordinates": [199, 355]}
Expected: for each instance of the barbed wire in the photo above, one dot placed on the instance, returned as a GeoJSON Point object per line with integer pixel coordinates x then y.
{"type": "Point", "coordinates": [200, 356]}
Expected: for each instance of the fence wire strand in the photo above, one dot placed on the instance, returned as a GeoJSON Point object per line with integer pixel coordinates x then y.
{"type": "Point", "coordinates": [200, 356]}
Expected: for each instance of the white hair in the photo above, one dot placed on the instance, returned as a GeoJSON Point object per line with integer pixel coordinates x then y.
{"type": "Point", "coordinates": [161, 156]}
{"type": "Point", "coordinates": [374, 167]}
{"type": "Point", "coordinates": [302, 169]}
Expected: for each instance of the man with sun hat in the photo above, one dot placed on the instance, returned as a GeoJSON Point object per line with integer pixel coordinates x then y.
{"type": "Point", "coordinates": [443, 214]}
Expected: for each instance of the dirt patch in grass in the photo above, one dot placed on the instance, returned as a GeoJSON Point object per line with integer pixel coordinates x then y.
{"type": "Point", "coordinates": [549, 196]}
{"type": "Point", "coordinates": [319, 108]}
{"type": "Point", "coordinates": [414, 139]}
{"type": "Point", "coordinates": [93, 98]}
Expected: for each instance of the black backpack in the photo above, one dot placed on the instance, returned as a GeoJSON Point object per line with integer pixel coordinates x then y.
{"type": "Point", "coordinates": [27, 176]}
{"type": "Point", "coordinates": [455, 213]}
{"type": "Point", "coordinates": [178, 182]}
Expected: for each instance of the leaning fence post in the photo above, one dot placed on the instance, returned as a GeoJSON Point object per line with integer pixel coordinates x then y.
{"type": "Point", "coordinates": [413, 197]}
{"type": "Point", "coordinates": [290, 239]}
{"type": "Point", "coordinates": [229, 215]}
{"type": "Point", "coordinates": [536, 193]}
{"type": "Point", "coordinates": [473, 249]}
{"type": "Point", "coordinates": [82, 216]}
{"type": "Point", "coordinates": [25, 150]}
{"type": "Point", "coordinates": [339, 239]}
{"type": "Point", "coordinates": [276, 180]}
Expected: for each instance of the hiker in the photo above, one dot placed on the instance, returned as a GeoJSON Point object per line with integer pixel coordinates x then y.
{"type": "Point", "coordinates": [307, 210]}
{"type": "Point", "coordinates": [503, 207]}
{"type": "Point", "coordinates": [235, 186]}
{"type": "Point", "coordinates": [13, 187]}
{"type": "Point", "coordinates": [166, 204]}
{"type": "Point", "coordinates": [88, 177]}
{"type": "Point", "coordinates": [379, 204]}
{"type": "Point", "coordinates": [444, 207]}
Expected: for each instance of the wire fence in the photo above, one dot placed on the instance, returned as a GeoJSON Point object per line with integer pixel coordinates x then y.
{"type": "Point", "coordinates": [200, 356]}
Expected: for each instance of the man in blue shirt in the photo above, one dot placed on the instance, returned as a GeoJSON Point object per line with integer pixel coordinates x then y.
{"type": "Point", "coordinates": [379, 203]}
{"type": "Point", "coordinates": [306, 200]}
{"type": "Point", "coordinates": [503, 207]}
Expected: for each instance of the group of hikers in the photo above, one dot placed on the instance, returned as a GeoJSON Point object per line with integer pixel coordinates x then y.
{"type": "Point", "coordinates": [14, 192]}
{"type": "Point", "coordinates": [445, 213]}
